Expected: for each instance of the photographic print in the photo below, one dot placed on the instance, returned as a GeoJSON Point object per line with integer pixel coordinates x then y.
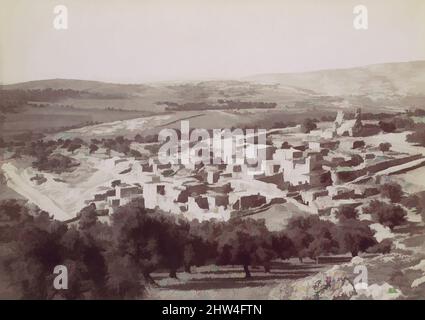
{"type": "Point", "coordinates": [212, 150]}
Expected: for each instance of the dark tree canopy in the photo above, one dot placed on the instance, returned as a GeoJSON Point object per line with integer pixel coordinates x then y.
{"type": "Point", "coordinates": [308, 125]}
{"type": "Point", "coordinates": [392, 191]}
{"type": "Point", "coordinates": [387, 214]}
{"type": "Point", "coordinates": [245, 242]}
{"type": "Point", "coordinates": [116, 260]}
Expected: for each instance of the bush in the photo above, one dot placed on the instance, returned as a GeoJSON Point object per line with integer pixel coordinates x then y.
{"type": "Point", "coordinates": [392, 191]}
{"type": "Point", "coordinates": [387, 126]}
{"type": "Point", "coordinates": [418, 136]}
{"type": "Point", "coordinates": [382, 247]}
{"type": "Point", "coordinates": [355, 160]}
{"type": "Point", "coordinates": [416, 201]}
{"type": "Point", "coordinates": [387, 214]}
{"type": "Point", "coordinates": [358, 144]}
{"type": "Point", "coordinates": [57, 163]}
{"type": "Point", "coordinates": [385, 146]}
{"type": "Point", "coordinates": [308, 125]}
{"type": "Point", "coordinates": [347, 212]}
{"type": "Point", "coordinates": [93, 148]}
{"type": "Point", "coordinates": [285, 145]}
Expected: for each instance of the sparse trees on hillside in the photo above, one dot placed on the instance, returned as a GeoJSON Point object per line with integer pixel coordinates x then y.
{"type": "Point", "coordinates": [285, 145]}
{"type": "Point", "coordinates": [55, 163]}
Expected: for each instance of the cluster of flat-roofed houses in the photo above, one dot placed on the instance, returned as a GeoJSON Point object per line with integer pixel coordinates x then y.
{"type": "Point", "coordinates": [316, 174]}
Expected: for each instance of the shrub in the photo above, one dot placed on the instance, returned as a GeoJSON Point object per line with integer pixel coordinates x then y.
{"type": "Point", "coordinates": [418, 136]}
{"type": "Point", "coordinates": [385, 146]}
{"type": "Point", "coordinates": [308, 125]}
{"type": "Point", "coordinates": [387, 126]}
{"type": "Point", "coordinates": [387, 214]}
{"type": "Point", "coordinates": [382, 247]}
{"type": "Point", "coordinates": [347, 212]}
{"type": "Point", "coordinates": [392, 191]}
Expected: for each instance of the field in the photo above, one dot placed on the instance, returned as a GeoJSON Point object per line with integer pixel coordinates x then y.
{"type": "Point", "coordinates": [57, 118]}
{"type": "Point", "coordinates": [209, 119]}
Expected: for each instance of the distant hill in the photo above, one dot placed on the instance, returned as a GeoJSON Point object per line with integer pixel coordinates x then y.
{"type": "Point", "coordinates": [403, 78]}
{"type": "Point", "coordinates": [385, 86]}
{"type": "Point", "coordinates": [389, 87]}
{"type": "Point", "coordinates": [149, 95]}
{"type": "Point", "coordinates": [80, 85]}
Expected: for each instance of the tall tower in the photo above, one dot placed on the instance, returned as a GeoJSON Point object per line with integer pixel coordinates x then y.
{"type": "Point", "coordinates": [338, 120]}
{"type": "Point", "coordinates": [358, 125]}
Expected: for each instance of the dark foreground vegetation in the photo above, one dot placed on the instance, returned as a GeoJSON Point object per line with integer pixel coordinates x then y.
{"type": "Point", "coordinates": [116, 260]}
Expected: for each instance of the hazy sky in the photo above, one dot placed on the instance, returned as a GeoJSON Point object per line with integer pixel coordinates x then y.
{"type": "Point", "coordinates": [155, 40]}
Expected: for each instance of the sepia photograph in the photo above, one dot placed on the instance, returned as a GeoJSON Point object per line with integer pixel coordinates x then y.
{"type": "Point", "coordinates": [180, 150]}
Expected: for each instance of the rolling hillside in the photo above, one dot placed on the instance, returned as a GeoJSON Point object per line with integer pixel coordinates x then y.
{"type": "Point", "coordinates": [390, 83]}
{"type": "Point", "coordinates": [404, 78]}
{"type": "Point", "coordinates": [376, 88]}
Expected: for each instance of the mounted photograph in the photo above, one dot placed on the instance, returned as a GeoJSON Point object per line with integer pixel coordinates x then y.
{"type": "Point", "coordinates": [212, 150]}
